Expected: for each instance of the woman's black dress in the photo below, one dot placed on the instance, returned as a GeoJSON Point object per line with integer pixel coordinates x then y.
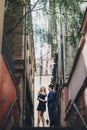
{"type": "Point", "coordinates": [41, 105]}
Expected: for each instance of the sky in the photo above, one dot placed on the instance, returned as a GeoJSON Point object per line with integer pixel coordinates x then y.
{"type": "Point", "coordinates": [84, 5]}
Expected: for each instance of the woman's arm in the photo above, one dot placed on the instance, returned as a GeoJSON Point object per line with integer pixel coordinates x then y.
{"type": "Point", "coordinates": [41, 99]}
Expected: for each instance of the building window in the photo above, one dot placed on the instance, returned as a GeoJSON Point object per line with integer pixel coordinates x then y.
{"type": "Point", "coordinates": [31, 71]}
{"type": "Point", "coordinates": [50, 69]}
{"type": "Point", "coordinates": [29, 60]}
{"type": "Point", "coordinates": [38, 69]}
{"type": "Point", "coordinates": [27, 45]}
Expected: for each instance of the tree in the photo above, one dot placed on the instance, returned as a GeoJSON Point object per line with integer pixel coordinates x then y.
{"type": "Point", "coordinates": [69, 12]}
{"type": "Point", "coordinates": [70, 15]}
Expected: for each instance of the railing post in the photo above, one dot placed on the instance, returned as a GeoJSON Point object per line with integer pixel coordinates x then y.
{"type": "Point", "coordinates": [2, 4]}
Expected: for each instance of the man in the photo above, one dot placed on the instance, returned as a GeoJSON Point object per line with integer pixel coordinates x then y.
{"type": "Point", "coordinates": [51, 104]}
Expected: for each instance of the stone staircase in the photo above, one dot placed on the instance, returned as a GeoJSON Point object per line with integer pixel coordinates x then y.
{"type": "Point", "coordinates": [49, 128]}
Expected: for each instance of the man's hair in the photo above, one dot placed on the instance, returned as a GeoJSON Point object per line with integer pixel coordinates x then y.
{"type": "Point", "coordinates": [51, 86]}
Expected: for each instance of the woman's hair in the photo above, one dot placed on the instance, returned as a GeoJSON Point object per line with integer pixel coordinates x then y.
{"type": "Point", "coordinates": [41, 88]}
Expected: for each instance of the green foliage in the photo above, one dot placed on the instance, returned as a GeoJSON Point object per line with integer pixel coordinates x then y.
{"type": "Point", "coordinates": [17, 2]}
{"type": "Point", "coordinates": [70, 15]}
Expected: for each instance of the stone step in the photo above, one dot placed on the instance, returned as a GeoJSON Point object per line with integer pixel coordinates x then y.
{"type": "Point", "coordinates": [49, 128]}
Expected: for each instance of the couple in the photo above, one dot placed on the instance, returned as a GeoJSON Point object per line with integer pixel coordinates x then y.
{"type": "Point", "coordinates": [42, 104]}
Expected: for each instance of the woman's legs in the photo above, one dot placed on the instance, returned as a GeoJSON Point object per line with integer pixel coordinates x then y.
{"type": "Point", "coordinates": [39, 118]}
{"type": "Point", "coordinates": [42, 117]}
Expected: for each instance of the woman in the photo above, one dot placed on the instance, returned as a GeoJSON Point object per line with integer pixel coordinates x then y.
{"type": "Point", "coordinates": [42, 105]}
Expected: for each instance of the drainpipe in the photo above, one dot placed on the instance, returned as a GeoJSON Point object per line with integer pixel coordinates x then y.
{"type": "Point", "coordinates": [62, 48]}
{"type": "Point", "coordinates": [24, 112]}
{"type": "Point", "coordinates": [63, 58]}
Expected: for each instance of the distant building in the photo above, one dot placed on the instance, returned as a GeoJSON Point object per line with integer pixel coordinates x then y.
{"type": "Point", "coordinates": [44, 65]}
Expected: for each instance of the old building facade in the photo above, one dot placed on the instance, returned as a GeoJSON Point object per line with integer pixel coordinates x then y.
{"type": "Point", "coordinates": [19, 45]}
{"type": "Point", "coordinates": [71, 95]}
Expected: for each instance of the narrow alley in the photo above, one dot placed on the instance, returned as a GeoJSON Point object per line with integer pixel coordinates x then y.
{"type": "Point", "coordinates": [43, 65]}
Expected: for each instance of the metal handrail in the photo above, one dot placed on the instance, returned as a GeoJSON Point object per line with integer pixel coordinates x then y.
{"type": "Point", "coordinates": [9, 62]}
{"type": "Point", "coordinates": [69, 107]}
{"type": "Point", "coordinates": [78, 112]}
{"type": "Point", "coordinates": [8, 59]}
{"type": "Point", "coordinates": [8, 114]}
